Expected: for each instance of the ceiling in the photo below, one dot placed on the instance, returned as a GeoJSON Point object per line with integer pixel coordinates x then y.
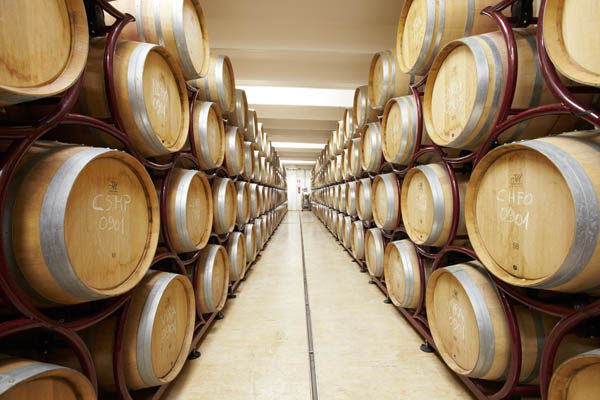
{"type": "Point", "coordinates": [323, 44]}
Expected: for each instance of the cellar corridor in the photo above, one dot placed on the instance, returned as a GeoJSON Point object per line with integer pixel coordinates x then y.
{"type": "Point", "coordinates": [363, 348]}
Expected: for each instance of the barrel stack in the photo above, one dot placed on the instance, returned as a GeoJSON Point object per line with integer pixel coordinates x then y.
{"type": "Point", "coordinates": [443, 198]}
{"type": "Point", "coordinates": [137, 209]}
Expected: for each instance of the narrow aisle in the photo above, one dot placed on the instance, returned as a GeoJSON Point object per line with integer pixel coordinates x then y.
{"type": "Point", "coordinates": [364, 349]}
{"type": "Point", "coordinates": [259, 350]}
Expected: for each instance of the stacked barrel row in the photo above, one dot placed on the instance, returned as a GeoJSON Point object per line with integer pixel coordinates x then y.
{"type": "Point", "coordinates": [189, 174]}
{"type": "Point", "coordinates": [530, 209]}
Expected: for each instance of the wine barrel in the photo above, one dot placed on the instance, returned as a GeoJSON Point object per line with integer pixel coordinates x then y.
{"type": "Point", "coordinates": [26, 379]}
{"type": "Point", "coordinates": [189, 210]}
{"type": "Point", "coordinates": [242, 202]}
{"type": "Point", "coordinates": [363, 199]}
{"type": "Point", "coordinates": [357, 237]}
{"type": "Point", "coordinates": [374, 252]}
{"type": "Point", "coordinates": [539, 194]}
{"type": "Point", "coordinates": [177, 25]}
{"type": "Point", "coordinates": [426, 204]}
{"type": "Point", "coordinates": [471, 330]}
{"type": "Point", "coordinates": [208, 135]}
{"type": "Point", "coordinates": [347, 232]}
{"type": "Point", "coordinates": [264, 230]}
{"type": "Point", "coordinates": [340, 226]}
{"type": "Point", "coordinates": [150, 93]}
{"type": "Point", "coordinates": [218, 85]}
{"type": "Point", "coordinates": [467, 82]}
{"type": "Point", "coordinates": [386, 201]}
{"type": "Point", "coordinates": [567, 27]}
{"type": "Point", "coordinates": [236, 248]}
{"type": "Point", "coordinates": [252, 130]}
{"type": "Point", "coordinates": [371, 154]}
{"type": "Point", "coordinates": [576, 378]}
{"type": "Point", "coordinates": [224, 205]}
{"type": "Point", "coordinates": [399, 131]}
{"type": "Point", "coordinates": [425, 28]}
{"type": "Point", "coordinates": [80, 223]}
{"type": "Point", "coordinates": [240, 116]}
{"type": "Point", "coordinates": [234, 151]}
{"type": "Point", "coordinates": [354, 156]}
{"type": "Point", "coordinates": [251, 249]}
{"type": "Point", "coordinates": [341, 136]}
{"type": "Point", "coordinates": [351, 198]}
{"type": "Point", "coordinates": [257, 168]}
{"type": "Point", "coordinates": [248, 172]}
{"type": "Point", "coordinates": [346, 173]}
{"type": "Point", "coordinates": [259, 235]}
{"type": "Point", "coordinates": [212, 279]}
{"type": "Point", "coordinates": [255, 200]}
{"type": "Point", "coordinates": [402, 274]}
{"type": "Point", "coordinates": [386, 81]}
{"type": "Point", "coordinates": [41, 59]}
{"type": "Point", "coordinates": [362, 112]}
{"type": "Point", "coordinates": [349, 127]}
{"type": "Point", "coordinates": [157, 334]}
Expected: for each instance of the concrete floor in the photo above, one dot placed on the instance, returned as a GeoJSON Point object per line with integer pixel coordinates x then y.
{"type": "Point", "coordinates": [364, 349]}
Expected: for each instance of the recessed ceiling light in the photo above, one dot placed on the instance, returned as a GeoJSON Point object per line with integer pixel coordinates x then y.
{"type": "Point", "coordinates": [299, 162]}
{"type": "Point", "coordinates": [294, 145]}
{"type": "Point", "coordinates": [295, 96]}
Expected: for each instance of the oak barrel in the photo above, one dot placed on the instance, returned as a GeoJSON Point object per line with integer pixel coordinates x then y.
{"type": "Point", "coordinates": [157, 335]}
{"type": "Point", "coordinates": [371, 154]}
{"type": "Point", "coordinates": [27, 380]}
{"type": "Point", "coordinates": [242, 202]}
{"type": "Point", "coordinates": [236, 248]}
{"type": "Point", "coordinates": [250, 234]}
{"type": "Point", "coordinates": [234, 151]}
{"type": "Point", "coordinates": [189, 210]}
{"type": "Point", "coordinates": [252, 130]}
{"type": "Point", "coordinates": [41, 59]}
{"type": "Point", "coordinates": [178, 25]}
{"type": "Point", "coordinates": [539, 194]}
{"type": "Point", "coordinates": [347, 232]}
{"type": "Point", "coordinates": [402, 273]}
{"type": "Point", "coordinates": [357, 237]}
{"type": "Point", "coordinates": [576, 378]}
{"type": "Point", "coordinates": [219, 84]}
{"type": "Point", "coordinates": [386, 201]}
{"type": "Point", "coordinates": [81, 223]}
{"type": "Point", "coordinates": [426, 27]}
{"type": "Point", "coordinates": [224, 205]}
{"type": "Point", "coordinates": [212, 279]}
{"type": "Point", "coordinates": [208, 134]}
{"type": "Point", "coordinates": [569, 27]}
{"type": "Point", "coordinates": [374, 251]}
{"type": "Point", "coordinates": [150, 92]}
{"type": "Point", "coordinates": [363, 199]}
{"type": "Point", "coordinates": [255, 200]}
{"type": "Point", "coordinates": [466, 85]}
{"type": "Point", "coordinates": [362, 112]}
{"type": "Point", "coordinates": [386, 81]}
{"type": "Point", "coordinates": [354, 157]}
{"type": "Point", "coordinates": [248, 172]}
{"type": "Point", "coordinates": [240, 116]}
{"type": "Point", "coordinates": [427, 207]}
{"type": "Point", "coordinates": [351, 198]}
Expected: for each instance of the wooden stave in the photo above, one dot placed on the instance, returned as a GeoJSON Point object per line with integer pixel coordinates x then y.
{"type": "Point", "coordinates": [130, 60]}
{"type": "Point", "coordinates": [199, 129]}
{"type": "Point", "coordinates": [223, 189]}
{"type": "Point", "coordinates": [374, 265]}
{"type": "Point", "coordinates": [439, 184]}
{"type": "Point", "coordinates": [211, 87]}
{"type": "Point", "coordinates": [74, 68]}
{"type": "Point", "coordinates": [176, 222]}
{"type": "Point", "coordinates": [390, 217]}
{"type": "Point", "coordinates": [15, 373]}
{"type": "Point", "coordinates": [62, 165]}
{"type": "Point", "coordinates": [236, 249]}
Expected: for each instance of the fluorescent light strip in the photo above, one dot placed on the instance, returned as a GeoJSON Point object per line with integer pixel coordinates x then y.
{"type": "Point", "coordinates": [298, 162]}
{"type": "Point", "coordinates": [294, 145]}
{"type": "Point", "coordinates": [295, 96]}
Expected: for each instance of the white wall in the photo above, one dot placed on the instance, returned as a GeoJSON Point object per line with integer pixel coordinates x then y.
{"type": "Point", "coordinates": [297, 177]}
